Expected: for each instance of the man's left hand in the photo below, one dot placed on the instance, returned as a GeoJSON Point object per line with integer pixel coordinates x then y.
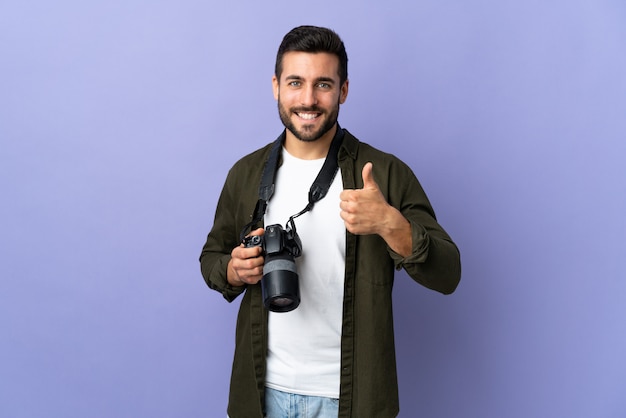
{"type": "Point", "coordinates": [365, 211]}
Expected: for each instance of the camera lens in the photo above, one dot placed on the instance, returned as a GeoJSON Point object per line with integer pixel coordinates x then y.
{"type": "Point", "coordinates": [281, 301]}
{"type": "Point", "coordinates": [280, 276]}
{"type": "Point", "coordinates": [280, 285]}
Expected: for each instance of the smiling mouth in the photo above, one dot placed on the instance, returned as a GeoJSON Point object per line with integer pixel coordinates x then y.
{"type": "Point", "coordinates": [308, 114]}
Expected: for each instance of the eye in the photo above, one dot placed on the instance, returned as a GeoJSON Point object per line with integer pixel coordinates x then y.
{"type": "Point", "coordinates": [294, 83]}
{"type": "Point", "coordinates": [324, 85]}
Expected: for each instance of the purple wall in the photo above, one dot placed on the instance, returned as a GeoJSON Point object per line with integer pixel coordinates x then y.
{"type": "Point", "coordinates": [118, 122]}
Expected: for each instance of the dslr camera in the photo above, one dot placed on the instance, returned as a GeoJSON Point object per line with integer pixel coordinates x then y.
{"type": "Point", "coordinates": [281, 292]}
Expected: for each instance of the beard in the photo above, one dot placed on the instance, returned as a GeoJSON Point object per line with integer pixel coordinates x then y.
{"type": "Point", "coordinates": [308, 133]}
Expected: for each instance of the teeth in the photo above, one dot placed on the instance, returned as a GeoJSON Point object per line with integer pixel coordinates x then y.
{"type": "Point", "coordinates": [307, 116]}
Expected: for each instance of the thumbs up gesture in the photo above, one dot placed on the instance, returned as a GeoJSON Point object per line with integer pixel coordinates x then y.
{"type": "Point", "coordinates": [365, 211]}
{"type": "Point", "coordinates": [362, 209]}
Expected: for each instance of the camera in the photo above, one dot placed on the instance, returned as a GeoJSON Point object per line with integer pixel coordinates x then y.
{"type": "Point", "coordinates": [279, 284]}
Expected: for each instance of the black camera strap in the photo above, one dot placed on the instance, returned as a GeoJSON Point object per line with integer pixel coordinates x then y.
{"type": "Point", "coordinates": [318, 189]}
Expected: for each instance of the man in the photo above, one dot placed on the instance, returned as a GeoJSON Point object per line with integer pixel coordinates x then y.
{"type": "Point", "coordinates": [333, 355]}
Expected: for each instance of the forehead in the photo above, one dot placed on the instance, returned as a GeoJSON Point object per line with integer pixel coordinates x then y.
{"type": "Point", "coordinates": [307, 65]}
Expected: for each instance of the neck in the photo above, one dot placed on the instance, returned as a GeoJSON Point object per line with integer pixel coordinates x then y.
{"type": "Point", "coordinates": [309, 150]}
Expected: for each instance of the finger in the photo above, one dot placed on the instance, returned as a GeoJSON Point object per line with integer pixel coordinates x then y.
{"type": "Point", "coordinates": [368, 177]}
{"type": "Point", "coordinates": [243, 253]}
{"type": "Point", "coordinates": [258, 231]}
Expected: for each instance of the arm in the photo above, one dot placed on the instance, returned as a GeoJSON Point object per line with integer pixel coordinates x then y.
{"type": "Point", "coordinates": [365, 211]}
{"type": "Point", "coordinates": [215, 257]}
{"type": "Point", "coordinates": [406, 221]}
{"type": "Point", "coordinates": [226, 265]}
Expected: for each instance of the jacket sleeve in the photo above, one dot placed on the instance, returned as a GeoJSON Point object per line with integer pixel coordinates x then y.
{"type": "Point", "coordinates": [234, 209]}
{"type": "Point", "coordinates": [435, 260]}
{"type": "Point", "coordinates": [220, 242]}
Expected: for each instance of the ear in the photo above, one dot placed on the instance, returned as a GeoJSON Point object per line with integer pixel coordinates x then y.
{"type": "Point", "coordinates": [275, 87]}
{"type": "Point", "coordinates": [343, 94]}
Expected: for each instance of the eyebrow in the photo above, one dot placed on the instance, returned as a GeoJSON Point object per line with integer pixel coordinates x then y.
{"type": "Point", "coordinates": [317, 80]}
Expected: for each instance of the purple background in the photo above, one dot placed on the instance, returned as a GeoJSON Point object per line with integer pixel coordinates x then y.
{"type": "Point", "coordinates": [119, 120]}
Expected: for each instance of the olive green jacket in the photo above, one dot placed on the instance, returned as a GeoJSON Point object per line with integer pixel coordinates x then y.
{"type": "Point", "coordinates": [368, 383]}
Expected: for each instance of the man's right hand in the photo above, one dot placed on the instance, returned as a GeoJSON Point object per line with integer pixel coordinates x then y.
{"type": "Point", "coordinates": [246, 264]}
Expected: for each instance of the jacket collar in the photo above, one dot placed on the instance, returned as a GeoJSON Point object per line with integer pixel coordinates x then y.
{"type": "Point", "coordinates": [349, 147]}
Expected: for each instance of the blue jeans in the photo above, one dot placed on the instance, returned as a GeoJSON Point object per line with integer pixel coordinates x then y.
{"type": "Point", "coordinates": [288, 405]}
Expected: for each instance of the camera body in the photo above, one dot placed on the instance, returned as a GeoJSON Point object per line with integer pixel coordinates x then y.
{"type": "Point", "coordinates": [281, 292]}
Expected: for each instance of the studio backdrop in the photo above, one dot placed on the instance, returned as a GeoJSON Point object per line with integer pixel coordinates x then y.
{"type": "Point", "coordinates": [120, 119]}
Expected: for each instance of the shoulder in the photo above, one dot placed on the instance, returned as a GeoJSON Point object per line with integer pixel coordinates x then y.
{"type": "Point", "coordinates": [245, 174]}
{"type": "Point", "coordinates": [252, 164]}
{"type": "Point", "coordinates": [254, 158]}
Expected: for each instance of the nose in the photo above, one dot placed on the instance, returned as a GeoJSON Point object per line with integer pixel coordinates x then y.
{"type": "Point", "coordinates": [308, 96]}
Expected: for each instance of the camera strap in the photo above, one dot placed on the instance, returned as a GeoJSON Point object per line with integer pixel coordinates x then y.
{"type": "Point", "coordinates": [318, 189]}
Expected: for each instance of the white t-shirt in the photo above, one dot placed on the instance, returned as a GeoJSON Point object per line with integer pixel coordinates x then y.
{"type": "Point", "coordinates": [304, 354]}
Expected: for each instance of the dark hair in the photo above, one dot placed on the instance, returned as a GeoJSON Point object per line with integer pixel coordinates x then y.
{"type": "Point", "coordinates": [313, 39]}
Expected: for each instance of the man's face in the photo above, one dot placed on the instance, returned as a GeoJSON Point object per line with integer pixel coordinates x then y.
{"type": "Point", "coordinates": [309, 93]}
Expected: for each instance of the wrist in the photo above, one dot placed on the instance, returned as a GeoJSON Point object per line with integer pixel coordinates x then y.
{"type": "Point", "coordinates": [397, 232]}
{"type": "Point", "coordinates": [232, 277]}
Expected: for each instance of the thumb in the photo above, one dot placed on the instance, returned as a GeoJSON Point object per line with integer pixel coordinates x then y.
{"type": "Point", "coordinates": [368, 177]}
